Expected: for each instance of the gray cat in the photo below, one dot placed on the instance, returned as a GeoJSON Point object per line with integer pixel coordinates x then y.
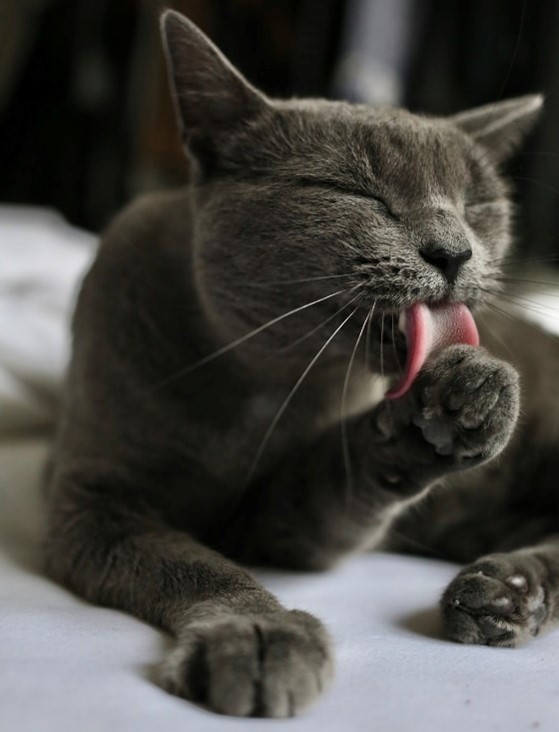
{"type": "Point", "coordinates": [227, 398]}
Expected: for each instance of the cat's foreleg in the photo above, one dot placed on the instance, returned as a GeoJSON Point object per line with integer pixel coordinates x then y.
{"type": "Point", "coordinates": [317, 506]}
{"type": "Point", "coordinates": [503, 599]}
{"type": "Point", "coordinates": [238, 651]}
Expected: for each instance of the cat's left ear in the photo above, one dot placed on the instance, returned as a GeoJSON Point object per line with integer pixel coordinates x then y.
{"type": "Point", "coordinates": [501, 127]}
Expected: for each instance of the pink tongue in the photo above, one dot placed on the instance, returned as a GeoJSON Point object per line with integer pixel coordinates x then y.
{"type": "Point", "coordinates": [429, 330]}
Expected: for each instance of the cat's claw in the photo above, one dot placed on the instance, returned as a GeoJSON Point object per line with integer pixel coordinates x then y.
{"type": "Point", "coordinates": [469, 404]}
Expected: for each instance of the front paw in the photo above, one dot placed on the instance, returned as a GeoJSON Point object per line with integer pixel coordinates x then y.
{"type": "Point", "coordinates": [497, 601]}
{"type": "Point", "coordinates": [251, 666]}
{"type": "Point", "coordinates": [469, 403]}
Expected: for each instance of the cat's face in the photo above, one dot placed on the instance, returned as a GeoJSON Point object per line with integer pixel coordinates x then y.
{"type": "Point", "coordinates": [365, 210]}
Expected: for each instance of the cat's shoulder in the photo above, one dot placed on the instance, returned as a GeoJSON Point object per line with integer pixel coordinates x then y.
{"type": "Point", "coordinates": [143, 259]}
{"type": "Point", "coordinates": [153, 220]}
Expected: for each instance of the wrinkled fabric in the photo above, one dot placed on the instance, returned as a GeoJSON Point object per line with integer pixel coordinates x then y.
{"type": "Point", "coordinates": [42, 259]}
{"type": "Point", "coordinates": [66, 665]}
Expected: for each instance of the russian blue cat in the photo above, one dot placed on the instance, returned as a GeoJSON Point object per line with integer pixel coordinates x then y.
{"type": "Point", "coordinates": [279, 363]}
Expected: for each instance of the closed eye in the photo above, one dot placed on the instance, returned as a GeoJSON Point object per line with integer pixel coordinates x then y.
{"type": "Point", "coordinates": [478, 204]}
{"type": "Point", "coordinates": [333, 185]}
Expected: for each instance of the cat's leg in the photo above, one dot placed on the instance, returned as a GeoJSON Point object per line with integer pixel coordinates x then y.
{"type": "Point", "coordinates": [238, 651]}
{"type": "Point", "coordinates": [503, 599]}
{"type": "Point", "coordinates": [318, 506]}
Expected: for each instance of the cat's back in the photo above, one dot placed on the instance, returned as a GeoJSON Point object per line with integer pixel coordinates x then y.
{"type": "Point", "coordinates": [144, 254]}
{"type": "Point", "coordinates": [138, 299]}
{"type": "Point", "coordinates": [136, 322]}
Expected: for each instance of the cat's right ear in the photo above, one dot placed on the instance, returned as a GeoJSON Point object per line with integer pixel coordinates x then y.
{"type": "Point", "coordinates": [211, 96]}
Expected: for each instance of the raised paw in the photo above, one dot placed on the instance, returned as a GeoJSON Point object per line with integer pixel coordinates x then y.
{"type": "Point", "coordinates": [469, 403]}
{"type": "Point", "coordinates": [251, 666]}
{"type": "Point", "coordinates": [498, 601]}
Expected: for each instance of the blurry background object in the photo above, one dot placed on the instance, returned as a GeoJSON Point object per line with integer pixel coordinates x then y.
{"type": "Point", "coordinates": [86, 122]}
{"type": "Point", "coordinates": [43, 258]}
{"type": "Point", "coordinates": [21, 18]}
{"type": "Point", "coordinates": [374, 52]}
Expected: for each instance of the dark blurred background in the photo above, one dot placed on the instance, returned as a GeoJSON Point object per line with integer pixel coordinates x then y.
{"type": "Point", "coordinates": [86, 121]}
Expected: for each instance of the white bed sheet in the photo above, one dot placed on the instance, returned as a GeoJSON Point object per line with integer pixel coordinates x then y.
{"type": "Point", "coordinates": [66, 666]}
{"type": "Point", "coordinates": [42, 259]}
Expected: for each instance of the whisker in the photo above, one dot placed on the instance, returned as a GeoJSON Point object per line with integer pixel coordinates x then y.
{"type": "Point", "coordinates": [302, 280]}
{"type": "Point", "coordinates": [240, 341]}
{"type": "Point", "coordinates": [343, 420]}
{"type": "Point", "coordinates": [542, 283]}
{"type": "Point", "coordinates": [368, 336]}
{"type": "Point", "coordinates": [496, 335]}
{"type": "Point", "coordinates": [290, 396]}
{"type": "Point", "coordinates": [532, 153]}
{"type": "Point", "coordinates": [521, 303]}
{"type": "Point", "coordinates": [524, 179]}
{"type": "Point", "coordinates": [515, 316]}
{"type": "Point", "coordinates": [396, 355]}
{"type": "Point", "coordinates": [515, 260]}
{"type": "Point", "coordinates": [388, 403]}
{"type": "Point", "coordinates": [324, 322]}
{"type": "Point", "coordinates": [382, 347]}
{"type": "Point", "coordinates": [501, 311]}
{"type": "Point", "coordinates": [525, 302]}
{"type": "Point", "coordinates": [515, 52]}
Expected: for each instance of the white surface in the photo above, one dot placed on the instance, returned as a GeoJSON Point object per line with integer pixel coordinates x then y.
{"type": "Point", "coordinates": [69, 667]}
{"type": "Point", "coordinates": [41, 260]}
{"type": "Point", "coordinates": [66, 666]}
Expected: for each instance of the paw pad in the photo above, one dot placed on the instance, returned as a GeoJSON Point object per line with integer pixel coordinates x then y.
{"type": "Point", "coordinates": [518, 583]}
{"type": "Point", "coordinates": [494, 603]}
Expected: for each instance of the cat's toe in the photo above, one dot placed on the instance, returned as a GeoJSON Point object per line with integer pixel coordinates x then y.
{"type": "Point", "coordinates": [470, 404]}
{"type": "Point", "coordinates": [494, 603]}
{"type": "Point", "coordinates": [268, 666]}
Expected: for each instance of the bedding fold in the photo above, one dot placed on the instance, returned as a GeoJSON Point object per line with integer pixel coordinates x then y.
{"type": "Point", "coordinates": [42, 259]}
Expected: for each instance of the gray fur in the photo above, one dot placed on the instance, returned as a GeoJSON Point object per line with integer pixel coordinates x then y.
{"type": "Point", "coordinates": [165, 470]}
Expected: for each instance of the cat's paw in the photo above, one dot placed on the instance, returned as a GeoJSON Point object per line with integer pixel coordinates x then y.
{"type": "Point", "coordinates": [469, 403]}
{"type": "Point", "coordinates": [497, 601]}
{"type": "Point", "coordinates": [251, 666]}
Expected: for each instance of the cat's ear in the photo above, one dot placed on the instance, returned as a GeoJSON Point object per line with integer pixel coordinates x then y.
{"type": "Point", "coordinates": [501, 127]}
{"type": "Point", "coordinates": [211, 96]}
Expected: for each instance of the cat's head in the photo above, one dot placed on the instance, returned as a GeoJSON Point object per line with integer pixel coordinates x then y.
{"type": "Point", "coordinates": [365, 210]}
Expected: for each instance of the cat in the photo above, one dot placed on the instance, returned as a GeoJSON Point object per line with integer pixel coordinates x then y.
{"type": "Point", "coordinates": [279, 365]}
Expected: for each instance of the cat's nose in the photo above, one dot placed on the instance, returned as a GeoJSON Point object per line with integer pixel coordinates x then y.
{"type": "Point", "coordinates": [447, 260]}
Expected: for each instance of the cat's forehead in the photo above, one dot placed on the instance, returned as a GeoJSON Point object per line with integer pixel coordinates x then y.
{"type": "Point", "coordinates": [389, 146]}
{"type": "Point", "coordinates": [407, 151]}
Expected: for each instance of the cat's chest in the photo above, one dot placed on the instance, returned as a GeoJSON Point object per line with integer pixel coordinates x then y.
{"type": "Point", "coordinates": [355, 396]}
{"type": "Point", "coordinates": [272, 425]}
{"type": "Point", "coordinates": [283, 417]}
